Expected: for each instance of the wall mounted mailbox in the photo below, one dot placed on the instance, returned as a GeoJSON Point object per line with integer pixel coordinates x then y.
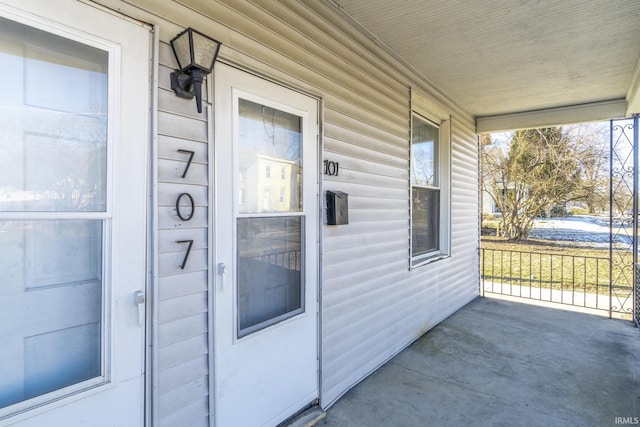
{"type": "Point", "coordinates": [337, 208]}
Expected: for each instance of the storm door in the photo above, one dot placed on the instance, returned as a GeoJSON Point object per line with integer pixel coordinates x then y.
{"type": "Point", "coordinates": [72, 215]}
{"type": "Point", "coordinates": [266, 290]}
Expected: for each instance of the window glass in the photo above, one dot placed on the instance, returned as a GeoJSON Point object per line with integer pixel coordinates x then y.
{"type": "Point", "coordinates": [425, 194]}
{"type": "Point", "coordinates": [269, 138]}
{"type": "Point", "coordinates": [424, 147]}
{"type": "Point", "coordinates": [53, 116]}
{"type": "Point", "coordinates": [53, 159]}
{"type": "Point", "coordinates": [270, 286]}
{"type": "Point", "coordinates": [425, 220]}
{"type": "Point", "coordinates": [50, 306]}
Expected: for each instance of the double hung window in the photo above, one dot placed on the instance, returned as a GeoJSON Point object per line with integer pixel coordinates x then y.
{"type": "Point", "coordinates": [430, 171]}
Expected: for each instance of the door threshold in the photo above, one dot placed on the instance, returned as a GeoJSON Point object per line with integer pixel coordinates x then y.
{"type": "Point", "coordinates": [307, 418]}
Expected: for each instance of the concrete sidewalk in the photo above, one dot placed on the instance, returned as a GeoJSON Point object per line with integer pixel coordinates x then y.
{"type": "Point", "coordinates": [501, 363]}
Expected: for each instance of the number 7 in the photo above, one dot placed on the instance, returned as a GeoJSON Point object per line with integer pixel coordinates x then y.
{"type": "Point", "coordinates": [192, 153]}
{"type": "Point", "coordinates": [186, 256]}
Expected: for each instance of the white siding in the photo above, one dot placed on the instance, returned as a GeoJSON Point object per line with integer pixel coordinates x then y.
{"type": "Point", "coordinates": [181, 380]}
{"type": "Point", "coordinates": [372, 306]}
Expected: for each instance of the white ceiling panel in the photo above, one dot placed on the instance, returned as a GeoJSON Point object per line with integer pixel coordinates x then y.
{"type": "Point", "coordinates": [496, 57]}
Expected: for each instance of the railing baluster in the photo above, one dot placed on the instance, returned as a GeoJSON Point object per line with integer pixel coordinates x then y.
{"type": "Point", "coordinates": [510, 273]}
{"type": "Point", "coordinates": [540, 277]}
{"type": "Point", "coordinates": [520, 283]}
{"type": "Point", "coordinates": [530, 274]}
{"type": "Point", "coordinates": [562, 279]}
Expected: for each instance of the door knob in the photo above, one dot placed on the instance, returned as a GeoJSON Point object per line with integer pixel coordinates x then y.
{"type": "Point", "coordinates": [139, 300]}
{"type": "Point", "coordinates": [222, 270]}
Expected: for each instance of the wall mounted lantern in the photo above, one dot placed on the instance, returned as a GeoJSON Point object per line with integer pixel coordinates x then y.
{"type": "Point", "coordinates": [196, 54]}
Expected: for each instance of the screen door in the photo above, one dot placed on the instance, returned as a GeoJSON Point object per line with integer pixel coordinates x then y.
{"type": "Point", "coordinates": [72, 240]}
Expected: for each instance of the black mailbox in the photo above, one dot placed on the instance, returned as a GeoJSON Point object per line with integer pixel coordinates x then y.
{"type": "Point", "coordinates": [337, 208]}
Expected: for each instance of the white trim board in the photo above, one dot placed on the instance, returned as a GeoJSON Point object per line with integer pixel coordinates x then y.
{"type": "Point", "coordinates": [583, 113]}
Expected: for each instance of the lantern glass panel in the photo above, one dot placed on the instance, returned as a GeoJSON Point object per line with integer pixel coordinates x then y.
{"type": "Point", "coordinates": [181, 48]}
{"type": "Point", "coordinates": [205, 50]}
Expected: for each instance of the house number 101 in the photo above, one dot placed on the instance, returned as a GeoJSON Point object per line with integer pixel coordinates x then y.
{"type": "Point", "coordinates": [331, 168]}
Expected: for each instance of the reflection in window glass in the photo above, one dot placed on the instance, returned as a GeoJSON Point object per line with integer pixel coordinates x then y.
{"type": "Point", "coordinates": [424, 146]}
{"type": "Point", "coordinates": [425, 220]}
{"type": "Point", "coordinates": [269, 139]}
{"type": "Point", "coordinates": [53, 116]}
{"type": "Point", "coordinates": [50, 306]}
{"type": "Point", "coordinates": [270, 271]}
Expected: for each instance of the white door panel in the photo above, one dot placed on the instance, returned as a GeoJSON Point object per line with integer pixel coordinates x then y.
{"type": "Point", "coordinates": [266, 233]}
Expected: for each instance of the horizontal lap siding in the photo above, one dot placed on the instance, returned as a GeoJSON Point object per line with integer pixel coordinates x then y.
{"type": "Point", "coordinates": [372, 305]}
{"type": "Point", "coordinates": [182, 377]}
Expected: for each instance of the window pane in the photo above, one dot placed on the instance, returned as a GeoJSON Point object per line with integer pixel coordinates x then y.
{"type": "Point", "coordinates": [270, 286]}
{"type": "Point", "coordinates": [424, 147]}
{"type": "Point", "coordinates": [425, 220]}
{"type": "Point", "coordinates": [53, 116]}
{"type": "Point", "coordinates": [269, 140]}
{"type": "Point", "coordinates": [50, 306]}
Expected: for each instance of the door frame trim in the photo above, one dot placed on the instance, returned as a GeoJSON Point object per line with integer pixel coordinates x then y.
{"type": "Point", "coordinates": [151, 398]}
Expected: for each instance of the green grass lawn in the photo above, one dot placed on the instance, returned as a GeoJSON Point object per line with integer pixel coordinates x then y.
{"type": "Point", "coordinates": [544, 264]}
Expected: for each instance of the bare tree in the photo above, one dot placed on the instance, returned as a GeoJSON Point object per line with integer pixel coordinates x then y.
{"type": "Point", "coordinates": [591, 143]}
{"type": "Point", "coordinates": [540, 169]}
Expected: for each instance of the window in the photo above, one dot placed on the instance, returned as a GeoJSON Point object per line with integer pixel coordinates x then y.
{"type": "Point", "coordinates": [267, 172]}
{"type": "Point", "coordinates": [429, 190]}
{"type": "Point", "coordinates": [283, 173]}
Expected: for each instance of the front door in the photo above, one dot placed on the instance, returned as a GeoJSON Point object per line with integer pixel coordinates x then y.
{"type": "Point", "coordinates": [266, 233]}
{"type": "Point", "coordinates": [73, 146]}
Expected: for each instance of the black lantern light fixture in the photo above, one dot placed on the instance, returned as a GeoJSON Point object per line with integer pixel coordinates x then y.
{"type": "Point", "coordinates": [196, 54]}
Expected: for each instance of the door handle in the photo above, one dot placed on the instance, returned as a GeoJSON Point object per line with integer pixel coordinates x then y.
{"type": "Point", "coordinates": [139, 300]}
{"type": "Point", "coordinates": [222, 270]}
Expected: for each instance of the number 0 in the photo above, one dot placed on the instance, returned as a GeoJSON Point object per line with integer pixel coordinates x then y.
{"type": "Point", "coordinates": [193, 207]}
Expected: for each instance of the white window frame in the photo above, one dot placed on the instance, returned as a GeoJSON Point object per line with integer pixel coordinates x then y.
{"type": "Point", "coordinates": [428, 111]}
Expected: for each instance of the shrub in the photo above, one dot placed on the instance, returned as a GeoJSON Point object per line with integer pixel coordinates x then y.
{"type": "Point", "coordinates": [577, 210]}
{"type": "Point", "coordinates": [558, 211]}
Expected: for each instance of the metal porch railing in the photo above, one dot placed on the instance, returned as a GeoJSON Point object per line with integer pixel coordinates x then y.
{"type": "Point", "coordinates": [583, 281]}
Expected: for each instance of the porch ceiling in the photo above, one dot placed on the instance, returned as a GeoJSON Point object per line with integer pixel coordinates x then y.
{"type": "Point", "coordinates": [500, 57]}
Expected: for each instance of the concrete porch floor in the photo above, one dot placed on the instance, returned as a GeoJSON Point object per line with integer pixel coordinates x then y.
{"type": "Point", "coordinates": [502, 363]}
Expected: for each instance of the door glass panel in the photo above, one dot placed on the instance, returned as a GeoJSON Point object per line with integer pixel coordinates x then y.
{"type": "Point", "coordinates": [53, 159]}
{"type": "Point", "coordinates": [53, 116]}
{"type": "Point", "coordinates": [50, 305]}
{"type": "Point", "coordinates": [270, 287]}
{"type": "Point", "coordinates": [270, 266]}
{"type": "Point", "coordinates": [270, 159]}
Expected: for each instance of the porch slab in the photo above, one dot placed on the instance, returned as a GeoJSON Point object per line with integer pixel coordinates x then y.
{"type": "Point", "coordinates": [503, 363]}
